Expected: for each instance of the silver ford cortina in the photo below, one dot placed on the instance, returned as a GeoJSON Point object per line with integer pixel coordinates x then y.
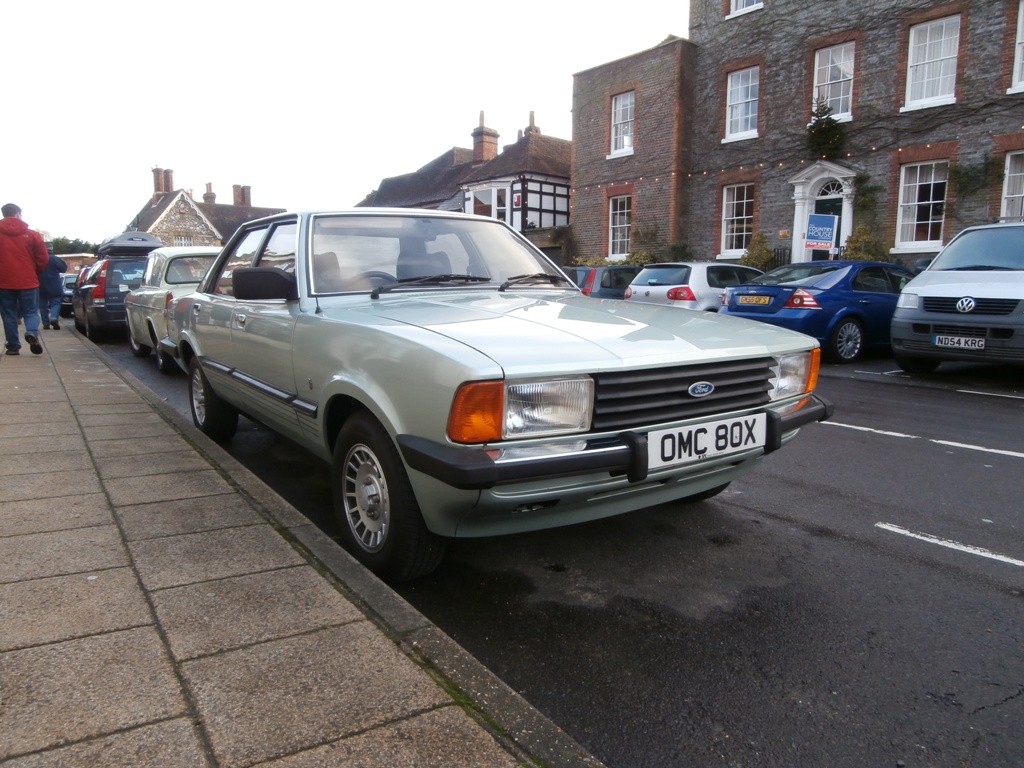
{"type": "Point", "coordinates": [460, 385]}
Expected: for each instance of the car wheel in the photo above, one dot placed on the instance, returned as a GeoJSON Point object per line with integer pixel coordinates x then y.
{"type": "Point", "coordinates": [78, 324]}
{"type": "Point", "coordinates": [139, 350]}
{"type": "Point", "coordinates": [847, 341]}
{"type": "Point", "coordinates": [165, 363]}
{"type": "Point", "coordinates": [91, 331]}
{"type": "Point", "coordinates": [380, 520]}
{"type": "Point", "coordinates": [705, 495]}
{"type": "Point", "coordinates": [214, 417]}
{"type": "Point", "coordinates": [916, 364]}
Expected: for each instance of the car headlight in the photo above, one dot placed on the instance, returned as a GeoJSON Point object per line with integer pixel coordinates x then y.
{"type": "Point", "coordinates": [907, 301]}
{"type": "Point", "coordinates": [795, 374]}
{"type": "Point", "coordinates": [488, 411]}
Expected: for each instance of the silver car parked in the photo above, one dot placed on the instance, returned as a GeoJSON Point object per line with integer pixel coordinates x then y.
{"type": "Point", "coordinates": [171, 272]}
{"type": "Point", "coordinates": [690, 285]}
{"type": "Point", "coordinates": [460, 384]}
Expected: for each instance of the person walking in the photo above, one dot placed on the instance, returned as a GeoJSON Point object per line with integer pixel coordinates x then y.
{"type": "Point", "coordinates": [51, 289]}
{"type": "Point", "coordinates": [22, 257]}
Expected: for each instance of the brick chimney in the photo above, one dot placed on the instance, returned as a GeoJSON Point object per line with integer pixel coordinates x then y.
{"type": "Point", "coordinates": [246, 196]}
{"type": "Point", "coordinates": [158, 185]}
{"type": "Point", "coordinates": [208, 195]}
{"type": "Point", "coordinates": [168, 180]}
{"type": "Point", "coordinates": [236, 194]}
{"type": "Point", "coordinates": [485, 143]}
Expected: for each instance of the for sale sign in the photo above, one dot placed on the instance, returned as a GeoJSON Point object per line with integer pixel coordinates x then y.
{"type": "Point", "coordinates": [821, 231]}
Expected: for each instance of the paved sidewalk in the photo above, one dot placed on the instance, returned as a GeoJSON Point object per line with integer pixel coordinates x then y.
{"type": "Point", "coordinates": [160, 606]}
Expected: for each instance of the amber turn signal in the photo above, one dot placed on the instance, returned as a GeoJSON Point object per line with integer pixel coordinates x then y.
{"type": "Point", "coordinates": [477, 412]}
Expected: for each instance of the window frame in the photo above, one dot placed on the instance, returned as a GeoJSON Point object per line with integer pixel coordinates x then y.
{"type": "Point", "coordinates": [729, 218]}
{"type": "Point", "coordinates": [927, 66]}
{"type": "Point", "coordinates": [619, 233]}
{"type": "Point", "coordinates": [736, 9]}
{"type": "Point", "coordinates": [731, 104]}
{"type": "Point", "coordinates": [1017, 75]}
{"type": "Point", "coordinates": [906, 206]}
{"type": "Point", "coordinates": [627, 137]}
{"type": "Point", "coordinates": [1011, 206]}
{"type": "Point", "coordinates": [845, 84]}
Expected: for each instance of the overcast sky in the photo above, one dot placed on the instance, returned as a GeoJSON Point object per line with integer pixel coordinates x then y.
{"type": "Point", "coordinates": [308, 103]}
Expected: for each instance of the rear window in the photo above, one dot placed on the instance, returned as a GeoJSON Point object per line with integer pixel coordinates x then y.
{"type": "Point", "coordinates": [999, 248]}
{"type": "Point", "coordinates": [668, 275]}
{"type": "Point", "coordinates": [809, 273]}
{"type": "Point", "coordinates": [126, 272]}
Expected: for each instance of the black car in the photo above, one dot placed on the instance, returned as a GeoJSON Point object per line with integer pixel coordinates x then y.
{"type": "Point", "coordinates": [69, 280]}
{"type": "Point", "coordinates": [98, 297]}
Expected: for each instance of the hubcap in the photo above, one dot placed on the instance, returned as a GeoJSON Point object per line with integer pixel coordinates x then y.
{"type": "Point", "coordinates": [365, 496]}
{"type": "Point", "coordinates": [198, 397]}
{"type": "Point", "coordinates": [849, 341]}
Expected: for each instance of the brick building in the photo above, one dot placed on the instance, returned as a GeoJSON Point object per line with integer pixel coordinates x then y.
{"type": "Point", "coordinates": [174, 217]}
{"type": "Point", "coordinates": [929, 97]}
{"type": "Point", "coordinates": [632, 136]}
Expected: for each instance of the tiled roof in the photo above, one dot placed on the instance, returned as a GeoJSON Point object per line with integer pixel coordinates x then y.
{"type": "Point", "coordinates": [224, 218]}
{"type": "Point", "coordinates": [438, 182]}
{"type": "Point", "coordinates": [534, 153]}
{"type": "Point", "coordinates": [428, 187]}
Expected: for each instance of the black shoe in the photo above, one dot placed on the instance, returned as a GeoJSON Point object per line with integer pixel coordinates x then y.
{"type": "Point", "coordinates": [12, 351]}
{"type": "Point", "coordinates": [55, 325]}
{"type": "Point", "coordinates": [33, 344]}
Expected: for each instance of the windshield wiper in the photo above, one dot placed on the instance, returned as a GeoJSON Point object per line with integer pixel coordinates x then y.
{"type": "Point", "coordinates": [427, 280]}
{"type": "Point", "coordinates": [532, 278]}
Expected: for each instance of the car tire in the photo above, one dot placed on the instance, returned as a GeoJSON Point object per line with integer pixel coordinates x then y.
{"type": "Point", "coordinates": [91, 331]}
{"type": "Point", "coordinates": [705, 495]}
{"type": "Point", "coordinates": [379, 519]}
{"type": "Point", "coordinates": [139, 350]}
{"type": "Point", "coordinates": [215, 418]}
{"type": "Point", "coordinates": [78, 324]}
{"type": "Point", "coordinates": [912, 364]}
{"type": "Point", "coordinates": [846, 344]}
{"type": "Point", "coordinates": [165, 363]}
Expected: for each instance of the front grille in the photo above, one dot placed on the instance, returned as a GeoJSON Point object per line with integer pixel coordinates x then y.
{"type": "Point", "coordinates": [981, 306]}
{"type": "Point", "coordinates": [959, 330]}
{"type": "Point", "coordinates": [630, 399]}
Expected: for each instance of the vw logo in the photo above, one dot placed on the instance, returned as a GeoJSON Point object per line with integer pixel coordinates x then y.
{"type": "Point", "coordinates": [966, 304]}
{"type": "Point", "coordinates": [701, 388]}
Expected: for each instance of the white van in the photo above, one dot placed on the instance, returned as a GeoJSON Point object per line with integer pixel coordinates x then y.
{"type": "Point", "coordinates": [967, 305]}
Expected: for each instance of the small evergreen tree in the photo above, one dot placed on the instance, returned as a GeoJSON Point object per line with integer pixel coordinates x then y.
{"type": "Point", "coordinates": [758, 254]}
{"type": "Point", "coordinates": [862, 245]}
{"type": "Point", "coordinates": [825, 135]}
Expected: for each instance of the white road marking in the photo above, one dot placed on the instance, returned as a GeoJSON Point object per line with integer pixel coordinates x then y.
{"type": "Point", "coordinates": [966, 446]}
{"type": "Point", "coordinates": [990, 394]}
{"type": "Point", "coordinates": [950, 544]}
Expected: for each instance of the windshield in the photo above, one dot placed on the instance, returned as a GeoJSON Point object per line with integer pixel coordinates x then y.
{"type": "Point", "coordinates": [357, 253]}
{"type": "Point", "coordinates": [981, 249]}
{"type": "Point", "coordinates": [797, 274]}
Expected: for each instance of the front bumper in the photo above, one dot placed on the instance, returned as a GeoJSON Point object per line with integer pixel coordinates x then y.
{"type": "Point", "coordinates": [624, 455]}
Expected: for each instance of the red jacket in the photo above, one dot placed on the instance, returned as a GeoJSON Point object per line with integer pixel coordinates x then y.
{"type": "Point", "coordinates": [23, 255]}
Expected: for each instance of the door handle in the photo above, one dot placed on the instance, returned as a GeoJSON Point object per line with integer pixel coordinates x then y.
{"type": "Point", "coordinates": [240, 319]}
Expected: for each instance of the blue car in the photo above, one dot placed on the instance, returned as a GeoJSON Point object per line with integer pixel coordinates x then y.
{"type": "Point", "coordinates": [846, 305]}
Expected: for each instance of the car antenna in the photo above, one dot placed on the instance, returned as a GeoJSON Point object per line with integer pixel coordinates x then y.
{"type": "Point", "coordinates": [318, 310]}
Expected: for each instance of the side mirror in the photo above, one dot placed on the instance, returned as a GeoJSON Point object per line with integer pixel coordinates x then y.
{"type": "Point", "coordinates": [263, 284]}
{"type": "Point", "coordinates": [922, 264]}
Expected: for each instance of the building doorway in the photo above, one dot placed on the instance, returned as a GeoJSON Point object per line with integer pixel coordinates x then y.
{"type": "Point", "coordinates": [829, 202]}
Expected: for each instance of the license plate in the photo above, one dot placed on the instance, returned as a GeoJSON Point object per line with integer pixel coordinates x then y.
{"type": "Point", "coordinates": [700, 442]}
{"type": "Point", "coordinates": [959, 342]}
{"type": "Point", "coordinates": [753, 299]}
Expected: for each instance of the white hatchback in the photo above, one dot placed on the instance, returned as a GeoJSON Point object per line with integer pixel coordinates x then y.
{"type": "Point", "coordinates": [688, 284]}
